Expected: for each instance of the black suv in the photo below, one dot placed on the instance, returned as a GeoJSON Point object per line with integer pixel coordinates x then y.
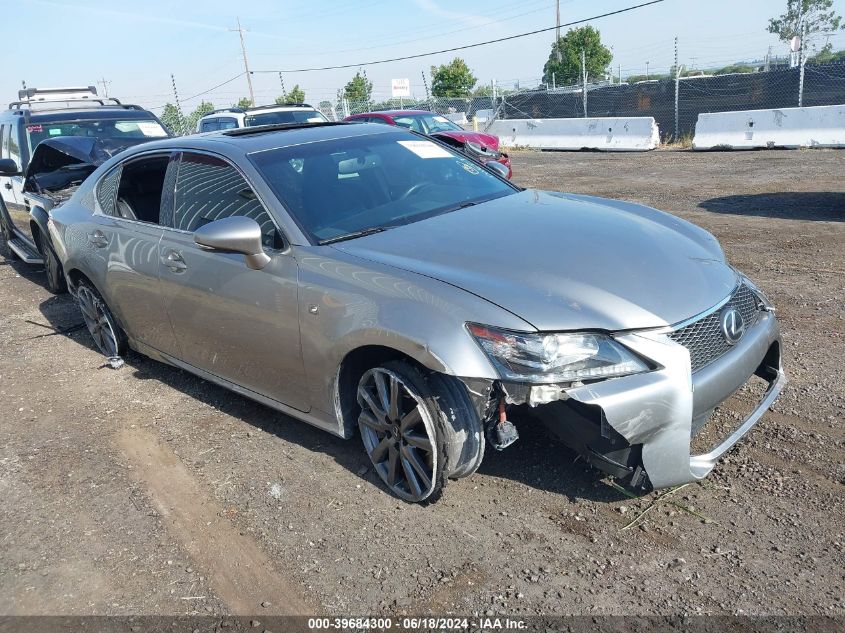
{"type": "Point", "coordinates": [50, 140]}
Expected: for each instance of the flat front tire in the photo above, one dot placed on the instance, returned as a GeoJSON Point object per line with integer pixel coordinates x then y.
{"type": "Point", "coordinates": [416, 431]}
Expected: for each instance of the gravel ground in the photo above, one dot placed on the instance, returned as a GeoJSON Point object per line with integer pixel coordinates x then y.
{"type": "Point", "coordinates": [145, 490]}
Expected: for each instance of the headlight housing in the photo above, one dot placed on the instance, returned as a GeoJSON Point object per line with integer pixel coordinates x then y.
{"type": "Point", "coordinates": [765, 302]}
{"type": "Point", "coordinates": [555, 357]}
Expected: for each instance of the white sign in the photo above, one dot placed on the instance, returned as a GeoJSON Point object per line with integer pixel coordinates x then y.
{"type": "Point", "coordinates": [400, 87]}
{"type": "Point", "coordinates": [425, 149]}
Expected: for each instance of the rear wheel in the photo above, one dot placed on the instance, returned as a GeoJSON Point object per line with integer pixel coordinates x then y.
{"type": "Point", "coordinates": [416, 431]}
{"type": "Point", "coordinates": [108, 336]}
{"type": "Point", "coordinates": [52, 267]}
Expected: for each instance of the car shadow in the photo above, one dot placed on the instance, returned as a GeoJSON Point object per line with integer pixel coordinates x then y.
{"type": "Point", "coordinates": [540, 460]}
{"type": "Point", "coordinates": [826, 206]}
{"type": "Point", "coordinates": [537, 459]}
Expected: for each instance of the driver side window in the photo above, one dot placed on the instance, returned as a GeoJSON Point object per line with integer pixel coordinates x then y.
{"type": "Point", "coordinates": [208, 189]}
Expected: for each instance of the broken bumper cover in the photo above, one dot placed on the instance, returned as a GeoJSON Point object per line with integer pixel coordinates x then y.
{"type": "Point", "coordinates": [657, 409]}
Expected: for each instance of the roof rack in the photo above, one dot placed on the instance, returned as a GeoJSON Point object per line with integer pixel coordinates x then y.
{"type": "Point", "coordinates": [27, 94]}
{"type": "Point", "coordinates": [279, 127]}
{"type": "Point", "coordinates": [71, 103]}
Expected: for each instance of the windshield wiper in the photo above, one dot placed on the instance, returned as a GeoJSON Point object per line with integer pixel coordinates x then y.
{"type": "Point", "coordinates": [352, 236]}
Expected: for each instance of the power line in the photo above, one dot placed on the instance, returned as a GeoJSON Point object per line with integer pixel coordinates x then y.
{"type": "Point", "coordinates": [461, 48]}
{"type": "Point", "coordinates": [228, 81]}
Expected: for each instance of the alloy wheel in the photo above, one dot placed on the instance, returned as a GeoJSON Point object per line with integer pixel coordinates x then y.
{"type": "Point", "coordinates": [398, 434]}
{"type": "Point", "coordinates": [97, 321]}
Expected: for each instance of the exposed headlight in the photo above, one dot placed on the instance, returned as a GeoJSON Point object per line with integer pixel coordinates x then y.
{"type": "Point", "coordinates": [555, 358]}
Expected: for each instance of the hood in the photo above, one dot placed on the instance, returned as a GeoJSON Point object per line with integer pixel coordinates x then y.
{"type": "Point", "coordinates": [564, 262]}
{"type": "Point", "coordinates": [485, 140]}
{"type": "Point", "coordinates": [61, 161]}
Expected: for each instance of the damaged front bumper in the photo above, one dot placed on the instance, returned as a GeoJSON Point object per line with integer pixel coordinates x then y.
{"type": "Point", "coordinates": [642, 425]}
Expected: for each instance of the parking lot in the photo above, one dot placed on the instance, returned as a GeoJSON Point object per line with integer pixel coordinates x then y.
{"type": "Point", "coordinates": [146, 490]}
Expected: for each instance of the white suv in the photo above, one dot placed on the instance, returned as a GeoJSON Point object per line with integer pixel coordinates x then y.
{"type": "Point", "coordinates": [231, 118]}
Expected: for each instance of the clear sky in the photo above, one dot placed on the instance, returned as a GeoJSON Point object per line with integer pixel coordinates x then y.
{"type": "Point", "coordinates": [137, 45]}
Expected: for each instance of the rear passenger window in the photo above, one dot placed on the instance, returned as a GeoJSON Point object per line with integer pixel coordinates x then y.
{"type": "Point", "coordinates": [209, 126]}
{"type": "Point", "coordinates": [107, 191]}
{"type": "Point", "coordinates": [140, 189]}
{"type": "Point", "coordinates": [227, 124]}
{"type": "Point", "coordinates": [208, 189]}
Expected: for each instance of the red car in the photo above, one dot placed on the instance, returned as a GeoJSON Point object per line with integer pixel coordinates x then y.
{"type": "Point", "coordinates": [433, 124]}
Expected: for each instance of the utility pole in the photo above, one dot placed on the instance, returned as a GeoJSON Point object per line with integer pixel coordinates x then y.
{"type": "Point", "coordinates": [105, 85]}
{"type": "Point", "coordinates": [284, 92]}
{"type": "Point", "coordinates": [800, 32]}
{"type": "Point", "coordinates": [646, 71]}
{"type": "Point", "coordinates": [584, 78]}
{"type": "Point", "coordinates": [246, 63]}
{"type": "Point", "coordinates": [557, 30]}
{"type": "Point", "coordinates": [427, 93]}
{"type": "Point", "coordinates": [768, 59]}
{"type": "Point", "coordinates": [620, 74]}
{"type": "Point", "coordinates": [178, 105]}
{"type": "Point", "coordinates": [557, 34]}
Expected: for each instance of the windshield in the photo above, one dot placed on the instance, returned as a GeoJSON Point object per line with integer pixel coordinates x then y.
{"type": "Point", "coordinates": [121, 133]}
{"type": "Point", "coordinates": [286, 116]}
{"type": "Point", "coordinates": [426, 123]}
{"type": "Point", "coordinates": [341, 187]}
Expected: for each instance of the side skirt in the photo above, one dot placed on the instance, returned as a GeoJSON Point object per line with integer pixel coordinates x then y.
{"type": "Point", "coordinates": [324, 422]}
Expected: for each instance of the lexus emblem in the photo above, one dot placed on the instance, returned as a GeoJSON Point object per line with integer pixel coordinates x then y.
{"type": "Point", "coordinates": [733, 327]}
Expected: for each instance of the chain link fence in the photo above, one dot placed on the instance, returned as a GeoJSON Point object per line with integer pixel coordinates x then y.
{"type": "Point", "coordinates": [674, 103]}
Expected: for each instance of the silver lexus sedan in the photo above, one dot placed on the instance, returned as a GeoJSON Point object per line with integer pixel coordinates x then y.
{"type": "Point", "coordinates": [362, 277]}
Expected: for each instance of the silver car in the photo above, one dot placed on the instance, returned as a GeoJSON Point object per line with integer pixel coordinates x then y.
{"type": "Point", "coordinates": [361, 277]}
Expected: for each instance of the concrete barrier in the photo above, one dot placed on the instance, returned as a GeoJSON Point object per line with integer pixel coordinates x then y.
{"type": "Point", "coordinates": [819, 126]}
{"type": "Point", "coordinates": [457, 117]}
{"type": "Point", "coordinates": [633, 134]}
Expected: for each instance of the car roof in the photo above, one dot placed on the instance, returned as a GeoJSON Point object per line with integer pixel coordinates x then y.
{"type": "Point", "coordinates": [90, 113]}
{"type": "Point", "coordinates": [256, 139]}
{"type": "Point", "coordinates": [397, 112]}
{"type": "Point", "coordinates": [238, 112]}
{"type": "Point", "coordinates": [81, 112]}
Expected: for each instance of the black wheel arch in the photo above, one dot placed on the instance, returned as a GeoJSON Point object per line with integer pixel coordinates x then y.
{"type": "Point", "coordinates": [461, 426]}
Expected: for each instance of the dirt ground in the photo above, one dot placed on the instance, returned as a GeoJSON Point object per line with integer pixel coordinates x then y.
{"type": "Point", "coordinates": [145, 490]}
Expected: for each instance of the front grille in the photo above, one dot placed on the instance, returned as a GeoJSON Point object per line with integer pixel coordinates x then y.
{"type": "Point", "coordinates": [704, 338]}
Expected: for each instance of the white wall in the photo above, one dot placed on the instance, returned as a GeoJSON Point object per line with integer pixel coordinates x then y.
{"type": "Point", "coordinates": [819, 126]}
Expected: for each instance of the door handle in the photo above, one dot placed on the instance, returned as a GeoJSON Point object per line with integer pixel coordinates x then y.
{"type": "Point", "coordinates": [98, 239]}
{"type": "Point", "coordinates": [8, 185]}
{"type": "Point", "coordinates": [174, 262]}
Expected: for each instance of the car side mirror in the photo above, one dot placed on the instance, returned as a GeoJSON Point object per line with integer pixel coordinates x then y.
{"type": "Point", "coordinates": [8, 167]}
{"type": "Point", "coordinates": [236, 234]}
{"type": "Point", "coordinates": [498, 168]}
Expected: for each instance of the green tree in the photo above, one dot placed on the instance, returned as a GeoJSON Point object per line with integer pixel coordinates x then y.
{"type": "Point", "coordinates": [359, 88]}
{"type": "Point", "coordinates": [243, 103]}
{"type": "Point", "coordinates": [827, 56]}
{"type": "Point", "coordinates": [817, 16]}
{"type": "Point", "coordinates": [201, 110]}
{"type": "Point", "coordinates": [296, 95]}
{"type": "Point", "coordinates": [454, 79]}
{"type": "Point", "coordinates": [172, 119]}
{"type": "Point", "coordinates": [565, 59]}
